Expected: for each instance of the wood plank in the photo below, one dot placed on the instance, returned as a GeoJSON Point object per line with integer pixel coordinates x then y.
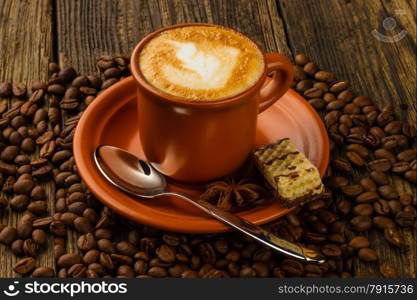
{"type": "Point", "coordinates": [337, 34]}
{"type": "Point", "coordinates": [26, 48]}
{"type": "Point", "coordinates": [103, 27]}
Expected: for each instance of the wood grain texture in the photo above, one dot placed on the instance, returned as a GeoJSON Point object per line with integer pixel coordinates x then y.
{"type": "Point", "coordinates": [94, 28]}
{"type": "Point", "coordinates": [26, 48]}
{"type": "Point", "coordinates": [337, 34]}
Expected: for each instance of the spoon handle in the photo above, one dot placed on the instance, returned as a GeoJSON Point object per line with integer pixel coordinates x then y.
{"type": "Point", "coordinates": [256, 232]}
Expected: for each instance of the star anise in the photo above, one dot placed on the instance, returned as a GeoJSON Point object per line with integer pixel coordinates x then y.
{"type": "Point", "coordinates": [229, 193]}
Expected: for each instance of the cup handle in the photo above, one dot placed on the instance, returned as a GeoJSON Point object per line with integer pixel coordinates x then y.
{"type": "Point", "coordinates": [283, 73]}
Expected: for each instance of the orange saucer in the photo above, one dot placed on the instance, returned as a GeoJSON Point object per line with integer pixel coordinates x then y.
{"type": "Point", "coordinates": [111, 119]}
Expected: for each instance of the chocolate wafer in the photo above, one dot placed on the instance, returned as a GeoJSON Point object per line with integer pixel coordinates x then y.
{"type": "Point", "coordinates": [290, 175]}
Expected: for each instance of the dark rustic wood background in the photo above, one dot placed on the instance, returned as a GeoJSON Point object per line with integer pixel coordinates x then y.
{"type": "Point", "coordinates": [334, 33]}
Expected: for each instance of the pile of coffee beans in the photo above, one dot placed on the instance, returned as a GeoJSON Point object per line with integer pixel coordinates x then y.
{"type": "Point", "coordinates": [37, 127]}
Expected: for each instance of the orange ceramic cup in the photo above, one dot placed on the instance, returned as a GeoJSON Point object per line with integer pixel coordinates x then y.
{"type": "Point", "coordinates": [194, 142]}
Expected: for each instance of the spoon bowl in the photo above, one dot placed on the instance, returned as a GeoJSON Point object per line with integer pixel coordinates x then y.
{"type": "Point", "coordinates": [129, 173]}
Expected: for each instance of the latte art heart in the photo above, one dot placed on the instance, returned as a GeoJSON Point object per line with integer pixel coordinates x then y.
{"type": "Point", "coordinates": [201, 63]}
{"type": "Point", "coordinates": [200, 69]}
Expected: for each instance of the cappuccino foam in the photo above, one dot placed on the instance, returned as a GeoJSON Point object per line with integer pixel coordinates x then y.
{"type": "Point", "coordinates": [201, 63]}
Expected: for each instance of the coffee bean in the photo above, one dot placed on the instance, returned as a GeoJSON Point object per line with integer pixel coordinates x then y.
{"type": "Point", "coordinates": [67, 74]}
{"type": "Point", "coordinates": [301, 59]}
{"type": "Point", "coordinates": [58, 228]}
{"type": "Point", "coordinates": [69, 259]}
{"type": "Point", "coordinates": [405, 219]}
{"type": "Point", "coordinates": [19, 90]}
{"type": "Point", "coordinates": [77, 271]}
{"type": "Point", "coordinates": [104, 64]}
{"type": "Point", "coordinates": [362, 101]}
{"type": "Point", "coordinates": [400, 167]}
{"type": "Point", "coordinates": [45, 137]}
{"type": "Point", "coordinates": [368, 184]}
{"type": "Point", "coordinates": [9, 153]}
{"type": "Point", "coordinates": [24, 265]}
{"type": "Point", "coordinates": [384, 153]}
{"type": "Point", "coordinates": [335, 105]}
{"type": "Point", "coordinates": [363, 209]}
{"type": "Point", "coordinates": [387, 192]}
{"type": "Point", "coordinates": [39, 85]}
{"type": "Point", "coordinates": [352, 190]}
{"type": "Point", "coordinates": [339, 86]}
{"type": "Point", "coordinates": [19, 202]}
{"type": "Point", "coordinates": [8, 184]}
{"type": "Point", "coordinates": [371, 118]}
{"type": "Point", "coordinates": [108, 83]}
{"type": "Point", "coordinates": [39, 236]}
{"type": "Point", "coordinates": [83, 225]}
{"type": "Point", "coordinates": [393, 127]}
{"type": "Point", "coordinates": [358, 149]}
{"type": "Point", "coordinates": [367, 197]}
{"type": "Point", "coordinates": [57, 89]}
{"type": "Point", "coordinates": [324, 76]}
{"type": "Point", "coordinates": [313, 92]}
{"type": "Point", "coordinates": [28, 145]}
{"type": "Point", "coordinates": [411, 176]}
{"type": "Point", "coordinates": [7, 235]}
{"type": "Point", "coordinates": [342, 165]}
{"type": "Point", "coordinates": [359, 242]}
{"type": "Point", "coordinates": [345, 95]}
{"type": "Point", "coordinates": [388, 270]}
{"type": "Point", "coordinates": [355, 158]}
{"type": "Point", "coordinates": [106, 246]}
{"type": "Point", "coordinates": [43, 272]}
{"type": "Point", "coordinates": [332, 117]}
{"type": "Point", "coordinates": [379, 177]}
{"type": "Point", "coordinates": [25, 226]}
{"type": "Point", "coordinates": [393, 236]}
{"type": "Point", "coordinates": [384, 118]}
{"type": "Point", "coordinates": [53, 115]}
{"type": "Point", "coordinates": [381, 165]}
{"type": "Point", "coordinates": [406, 198]}
{"type": "Point", "coordinates": [361, 223]}
{"type": "Point", "coordinates": [86, 242]}
{"type": "Point", "coordinates": [69, 104]}
{"type": "Point", "coordinates": [157, 272]}
{"type": "Point", "coordinates": [329, 97]}
{"type": "Point", "coordinates": [321, 85]}
{"type": "Point", "coordinates": [407, 155]}
{"type": "Point", "coordinates": [382, 222]}
{"type": "Point", "coordinates": [5, 89]}
{"type": "Point", "coordinates": [367, 254]}
{"type": "Point", "coordinates": [30, 248]}
{"type": "Point", "coordinates": [351, 108]}
{"type": "Point", "coordinates": [409, 130]}
{"type": "Point", "coordinates": [382, 207]}
{"type": "Point", "coordinates": [371, 140]}
{"type": "Point", "coordinates": [336, 182]}
{"type": "Point", "coordinates": [395, 206]}
{"type": "Point", "coordinates": [292, 267]}
{"type": "Point", "coordinates": [166, 253]}
{"type": "Point", "coordinates": [310, 68]}
{"type": "Point", "coordinates": [7, 169]}
{"type": "Point", "coordinates": [17, 247]}
{"type": "Point", "coordinates": [331, 250]}
{"type": "Point", "coordinates": [23, 186]}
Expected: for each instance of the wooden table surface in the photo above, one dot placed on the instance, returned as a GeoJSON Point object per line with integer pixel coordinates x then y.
{"type": "Point", "coordinates": [337, 34]}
